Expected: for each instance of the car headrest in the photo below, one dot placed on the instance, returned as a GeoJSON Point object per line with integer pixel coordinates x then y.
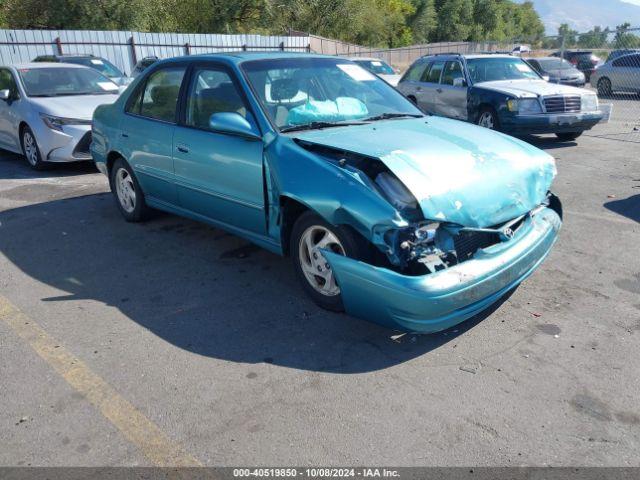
{"type": "Point", "coordinates": [164, 94]}
{"type": "Point", "coordinates": [284, 89]}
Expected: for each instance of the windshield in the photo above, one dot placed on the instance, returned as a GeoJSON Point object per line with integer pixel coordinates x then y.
{"type": "Point", "coordinates": [305, 91]}
{"type": "Point", "coordinates": [554, 64]}
{"type": "Point", "coordinates": [103, 66]}
{"type": "Point", "coordinates": [376, 66]}
{"type": "Point", "coordinates": [499, 68]}
{"type": "Point", "coordinates": [61, 81]}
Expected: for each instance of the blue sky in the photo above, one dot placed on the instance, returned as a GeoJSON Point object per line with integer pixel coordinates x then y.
{"type": "Point", "coordinates": [635, 2]}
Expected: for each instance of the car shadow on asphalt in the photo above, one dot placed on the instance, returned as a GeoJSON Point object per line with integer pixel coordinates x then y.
{"type": "Point", "coordinates": [627, 207]}
{"type": "Point", "coordinates": [198, 288]}
{"type": "Point", "coordinates": [15, 166]}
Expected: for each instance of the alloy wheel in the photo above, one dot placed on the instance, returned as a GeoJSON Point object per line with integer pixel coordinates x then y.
{"type": "Point", "coordinates": [486, 120]}
{"type": "Point", "coordinates": [314, 265]}
{"type": "Point", "coordinates": [125, 189]}
{"type": "Point", "coordinates": [30, 148]}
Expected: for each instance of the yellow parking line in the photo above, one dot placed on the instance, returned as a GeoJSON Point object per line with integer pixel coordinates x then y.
{"type": "Point", "coordinates": [138, 429]}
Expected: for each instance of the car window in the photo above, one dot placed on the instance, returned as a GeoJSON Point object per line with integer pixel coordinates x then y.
{"type": "Point", "coordinates": [433, 75]}
{"type": "Point", "coordinates": [376, 66]}
{"type": "Point", "coordinates": [65, 81]}
{"type": "Point", "coordinates": [100, 64]}
{"type": "Point", "coordinates": [212, 91]}
{"type": "Point", "coordinates": [415, 72]}
{"type": "Point", "coordinates": [627, 61]}
{"type": "Point", "coordinates": [8, 82]}
{"type": "Point", "coordinates": [452, 70]}
{"type": "Point", "coordinates": [534, 64]}
{"type": "Point", "coordinates": [159, 97]}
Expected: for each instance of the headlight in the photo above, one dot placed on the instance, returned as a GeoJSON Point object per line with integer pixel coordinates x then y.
{"type": "Point", "coordinates": [524, 106]}
{"type": "Point", "coordinates": [56, 123]}
{"type": "Point", "coordinates": [589, 103]}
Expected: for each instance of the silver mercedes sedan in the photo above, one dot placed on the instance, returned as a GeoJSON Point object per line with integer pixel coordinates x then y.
{"type": "Point", "coordinates": [46, 110]}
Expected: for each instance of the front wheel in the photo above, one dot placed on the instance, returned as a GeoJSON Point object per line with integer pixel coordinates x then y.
{"type": "Point", "coordinates": [568, 136]}
{"type": "Point", "coordinates": [31, 151]}
{"type": "Point", "coordinates": [127, 192]}
{"type": "Point", "coordinates": [488, 118]}
{"type": "Point", "coordinates": [604, 87]}
{"type": "Point", "coordinates": [310, 235]}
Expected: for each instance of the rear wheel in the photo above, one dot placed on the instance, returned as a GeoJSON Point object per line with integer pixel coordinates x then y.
{"type": "Point", "coordinates": [310, 235]}
{"type": "Point", "coordinates": [604, 87]}
{"type": "Point", "coordinates": [127, 192]}
{"type": "Point", "coordinates": [568, 136]}
{"type": "Point", "coordinates": [31, 150]}
{"type": "Point", "coordinates": [488, 118]}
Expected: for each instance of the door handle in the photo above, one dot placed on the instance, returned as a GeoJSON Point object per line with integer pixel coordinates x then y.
{"type": "Point", "coordinates": [125, 135]}
{"type": "Point", "coordinates": [418, 89]}
{"type": "Point", "coordinates": [182, 148]}
{"type": "Point", "coordinates": [439, 90]}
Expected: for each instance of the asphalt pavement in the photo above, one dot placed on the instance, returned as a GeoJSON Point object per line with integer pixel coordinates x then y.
{"type": "Point", "coordinates": [171, 342]}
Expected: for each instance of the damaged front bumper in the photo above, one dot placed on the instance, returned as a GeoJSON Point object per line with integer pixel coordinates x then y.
{"type": "Point", "coordinates": [436, 301]}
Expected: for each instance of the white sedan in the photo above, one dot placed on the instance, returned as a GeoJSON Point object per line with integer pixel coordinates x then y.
{"type": "Point", "coordinates": [46, 110]}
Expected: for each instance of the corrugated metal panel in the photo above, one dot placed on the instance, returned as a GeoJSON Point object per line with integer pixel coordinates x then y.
{"type": "Point", "coordinates": [18, 46]}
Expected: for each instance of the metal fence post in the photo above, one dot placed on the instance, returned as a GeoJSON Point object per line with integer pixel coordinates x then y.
{"type": "Point", "coordinates": [282, 46]}
{"type": "Point", "coordinates": [132, 43]}
{"type": "Point", "coordinates": [59, 45]}
{"type": "Point", "coordinates": [562, 47]}
{"type": "Point", "coordinates": [187, 48]}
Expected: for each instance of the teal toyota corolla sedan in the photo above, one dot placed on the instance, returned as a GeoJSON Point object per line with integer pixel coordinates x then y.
{"type": "Point", "coordinates": [411, 221]}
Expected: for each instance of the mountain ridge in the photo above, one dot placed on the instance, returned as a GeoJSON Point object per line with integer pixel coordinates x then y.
{"type": "Point", "coordinates": [583, 15]}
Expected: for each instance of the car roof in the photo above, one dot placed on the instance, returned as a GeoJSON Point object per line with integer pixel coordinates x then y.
{"type": "Point", "coordinates": [471, 55]}
{"type": "Point", "coordinates": [544, 58]}
{"type": "Point", "coordinates": [240, 57]}
{"type": "Point", "coordinates": [34, 65]}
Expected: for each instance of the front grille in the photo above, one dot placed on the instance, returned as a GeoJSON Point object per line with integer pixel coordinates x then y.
{"type": "Point", "coordinates": [562, 103]}
{"type": "Point", "coordinates": [468, 243]}
{"type": "Point", "coordinates": [82, 148]}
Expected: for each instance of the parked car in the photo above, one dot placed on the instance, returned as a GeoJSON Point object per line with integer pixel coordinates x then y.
{"type": "Point", "coordinates": [102, 65]}
{"type": "Point", "coordinates": [619, 75]}
{"type": "Point", "coordinates": [379, 67]}
{"type": "Point", "coordinates": [620, 52]}
{"type": "Point", "coordinates": [500, 92]}
{"type": "Point", "coordinates": [414, 222]}
{"type": "Point", "coordinates": [584, 60]}
{"type": "Point", "coordinates": [142, 65]}
{"type": "Point", "coordinates": [557, 70]}
{"type": "Point", "coordinates": [46, 110]}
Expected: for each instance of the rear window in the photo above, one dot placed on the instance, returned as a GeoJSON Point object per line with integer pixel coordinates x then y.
{"type": "Point", "coordinates": [433, 76]}
{"type": "Point", "coordinates": [415, 72]}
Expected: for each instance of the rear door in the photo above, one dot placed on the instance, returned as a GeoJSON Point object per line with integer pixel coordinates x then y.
{"type": "Point", "coordinates": [409, 85]}
{"type": "Point", "coordinates": [451, 97]}
{"type": "Point", "coordinates": [218, 175]}
{"type": "Point", "coordinates": [626, 73]}
{"type": "Point", "coordinates": [429, 83]}
{"type": "Point", "coordinates": [147, 131]}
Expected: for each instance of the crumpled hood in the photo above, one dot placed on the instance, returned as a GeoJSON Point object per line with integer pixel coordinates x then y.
{"type": "Point", "coordinates": [72, 106]}
{"type": "Point", "coordinates": [529, 88]}
{"type": "Point", "coordinates": [457, 171]}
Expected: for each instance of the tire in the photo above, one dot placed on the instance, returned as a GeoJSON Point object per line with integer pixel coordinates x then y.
{"type": "Point", "coordinates": [127, 192]}
{"type": "Point", "coordinates": [30, 149]}
{"type": "Point", "coordinates": [604, 87]}
{"type": "Point", "coordinates": [488, 118]}
{"type": "Point", "coordinates": [310, 226]}
{"type": "Point", "coordinates": [568, 136]}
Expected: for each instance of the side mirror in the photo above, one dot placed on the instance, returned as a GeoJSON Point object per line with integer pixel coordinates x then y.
{"type": "Point", "coordinates": [459, 82]}
{"type": "Point", "coordinates": [5, 94]}
{"type": "Point", "coordinates": [546, 78]}
{"type": "Point", "coordinates": [232, 123]}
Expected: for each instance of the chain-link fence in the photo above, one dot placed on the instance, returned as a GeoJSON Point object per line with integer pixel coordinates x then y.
{"type": "Point", "coordinates": [605, 61]}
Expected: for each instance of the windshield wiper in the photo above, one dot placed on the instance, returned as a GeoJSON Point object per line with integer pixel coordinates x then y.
{"type": "Point", "coordinates": [318, 125]}
{"type": "Point", "coordinates": [385, 116]}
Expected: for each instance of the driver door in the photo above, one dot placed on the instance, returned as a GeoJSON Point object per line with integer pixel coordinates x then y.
{"type": "Point", "coordinates": [9, 120]}
{"type": "Point", "coordinates": [218, 175]}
